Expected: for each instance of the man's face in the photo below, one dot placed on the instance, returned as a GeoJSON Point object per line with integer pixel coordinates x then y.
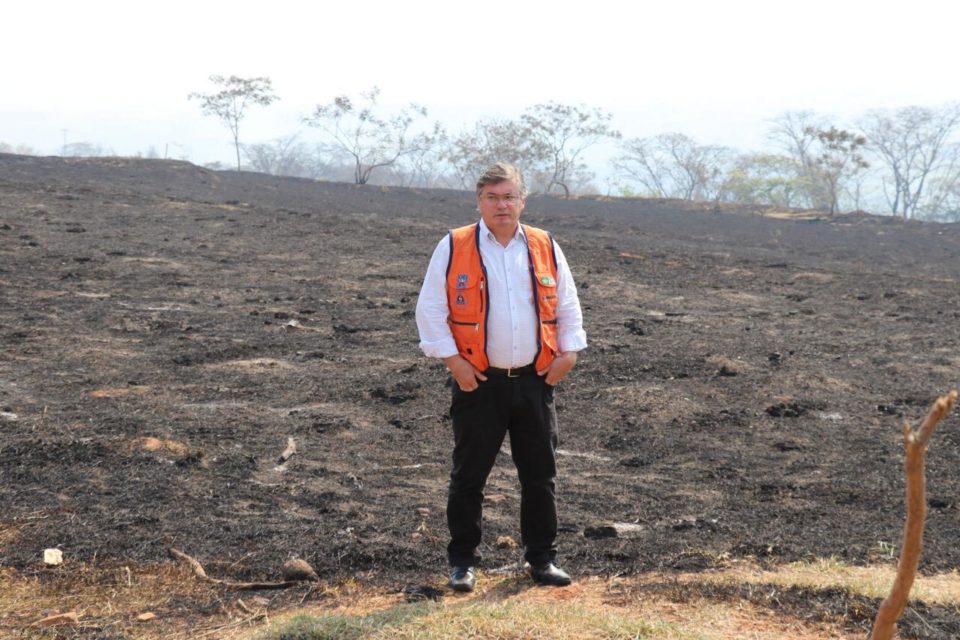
{"type": "Point", "coordinates": [500, 207]}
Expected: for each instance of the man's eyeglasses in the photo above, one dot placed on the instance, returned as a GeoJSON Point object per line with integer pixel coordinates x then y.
{"type": "Point", "coordinates": [510, 199]}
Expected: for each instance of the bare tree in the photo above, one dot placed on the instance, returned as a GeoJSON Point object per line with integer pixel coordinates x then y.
{"type": "Point", "coordinates": [672, 165]}
{"type": "Point", "coordinates": [827, 159]}
{"type": "Point", "coordinates": [285, 156]}
{"type": "Point", "coordinates": [231, 102]}
{"type": "Point", "coordinates": [371, 140]}
{"type": "Point", "coordinates": [837, 158]}
{"type": "Point", "coordinates": [470, 152]}
{"type": "Point", "coordinates": [945, 207]}
{"type": "Point", "coordinates": [915, 145]}
{"type": "Point", "coordinates": [558, 134]}
{"type": "Point", "coordinates": [795, 133]}
{"type": "Point", "coordinates": [422, 166]}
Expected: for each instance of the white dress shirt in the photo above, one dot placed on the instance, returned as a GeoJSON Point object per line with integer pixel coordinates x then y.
{"type": "Point", "coordinates": [512, 320]}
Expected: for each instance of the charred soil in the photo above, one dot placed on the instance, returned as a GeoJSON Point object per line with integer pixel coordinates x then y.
{"type": "Point", "coordinates": [164, 329]}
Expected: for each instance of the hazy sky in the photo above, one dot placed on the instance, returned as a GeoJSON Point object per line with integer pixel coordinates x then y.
{"type": "Point", "coordinates": [118, 73]}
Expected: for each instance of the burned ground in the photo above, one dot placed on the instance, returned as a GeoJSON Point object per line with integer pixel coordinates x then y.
{"type": "Point", "coordinates": [164, 329]}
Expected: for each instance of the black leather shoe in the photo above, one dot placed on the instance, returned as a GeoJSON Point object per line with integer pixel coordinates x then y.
{"type": "Point", "coordinates": [549, 574]}
{"type": "Point", "coordinates": [463, 579]}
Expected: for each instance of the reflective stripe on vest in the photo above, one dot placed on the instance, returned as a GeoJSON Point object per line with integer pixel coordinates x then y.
{"type": "Point", "coordinates": [469, 300]}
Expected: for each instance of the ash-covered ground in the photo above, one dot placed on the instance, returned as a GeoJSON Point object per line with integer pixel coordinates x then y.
{"type": "Point", "coordinates": [164, 329]}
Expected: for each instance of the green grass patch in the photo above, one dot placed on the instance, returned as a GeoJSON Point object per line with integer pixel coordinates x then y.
{"type": "Point", "coordinates": [502, 620]}
{"type": "Point", "coordinates": [338, 626]}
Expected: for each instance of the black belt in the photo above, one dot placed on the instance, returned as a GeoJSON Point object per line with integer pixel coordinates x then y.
{"type": "Point", "coordinates": [513, 372]}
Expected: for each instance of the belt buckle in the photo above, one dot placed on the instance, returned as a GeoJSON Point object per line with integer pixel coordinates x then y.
{"type": "Point", "coordinates": [510, 373]}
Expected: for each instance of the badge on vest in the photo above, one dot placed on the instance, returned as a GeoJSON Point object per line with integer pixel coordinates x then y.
{"type": "Point", "coordinates": [460, 299]}
{"type": "Point", "coordinates": [547, 281]}
{"type": "Point", "coordinates": [462, 281]}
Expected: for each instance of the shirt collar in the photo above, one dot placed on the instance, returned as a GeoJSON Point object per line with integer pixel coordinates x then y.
{"type": "Point", "coordinates": [486, 233]}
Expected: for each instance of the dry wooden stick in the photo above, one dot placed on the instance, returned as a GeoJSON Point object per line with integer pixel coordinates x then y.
{"type": "Point", "coordinates": [312, 588]}
{"type": "Point", "coordinates": [915, 444]}
{"type": "Point", "coordinates": [242, 586]}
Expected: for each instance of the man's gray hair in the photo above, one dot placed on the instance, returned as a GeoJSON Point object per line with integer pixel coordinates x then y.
{"type": "Point", "coordinates": [500, 172]}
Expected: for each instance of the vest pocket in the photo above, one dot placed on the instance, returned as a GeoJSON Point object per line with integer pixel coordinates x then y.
{"type": "Point", "coordinates": [467, 335]}
{"type": "Point", "coordinates": [466, 303]}
{"type": "Point", "coordinates": [548, 334]}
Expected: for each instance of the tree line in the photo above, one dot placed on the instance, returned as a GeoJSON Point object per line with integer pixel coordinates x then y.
{"type": "Point", "coordinates": [905, 161]}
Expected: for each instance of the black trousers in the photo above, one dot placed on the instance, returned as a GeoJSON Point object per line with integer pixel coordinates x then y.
{"type": "Point", "coordinates": [524, 407]}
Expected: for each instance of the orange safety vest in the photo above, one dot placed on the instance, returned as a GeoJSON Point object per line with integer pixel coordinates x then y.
{"type": "Point", "coordinates": [469, 300]}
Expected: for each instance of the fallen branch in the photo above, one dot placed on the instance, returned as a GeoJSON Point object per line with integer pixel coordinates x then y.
{"type": "Point", "coordinates": [312, 588]}
{"type": "Point", "coordinates": [915, 444]}
{"type": "Point", "coordinates": [242, 586]}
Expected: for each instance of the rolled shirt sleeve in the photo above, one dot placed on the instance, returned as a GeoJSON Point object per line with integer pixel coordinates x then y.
{"type": "Point", "coordinates": [436, 340]}
{"type": "Point", "coordinates": [570, 333]}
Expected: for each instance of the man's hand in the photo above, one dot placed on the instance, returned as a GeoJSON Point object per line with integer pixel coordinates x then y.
{"type": "Point", "coordinates": [468, 377]}
{"type": "Point", "coordinates": [559, 368]}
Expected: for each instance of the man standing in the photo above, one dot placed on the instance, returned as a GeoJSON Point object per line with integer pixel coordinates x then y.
{"type": "Point", "coordinates": [500, 307]}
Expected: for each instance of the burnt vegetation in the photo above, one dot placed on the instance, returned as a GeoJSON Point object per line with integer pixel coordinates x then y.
{"type": "Point", "coordinates": [165, 330]}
